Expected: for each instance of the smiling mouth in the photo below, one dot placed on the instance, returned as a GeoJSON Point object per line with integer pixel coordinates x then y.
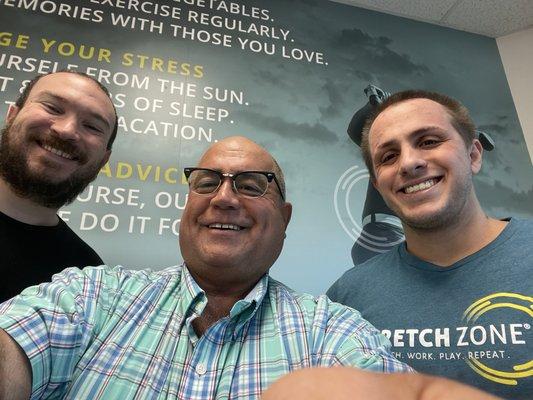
{"type": "Point", "coordinates": [226, 227]}
{"type": "Point", "coordinates": [58, 152]}
{"type": "Point", "coordinates": [421, 186]}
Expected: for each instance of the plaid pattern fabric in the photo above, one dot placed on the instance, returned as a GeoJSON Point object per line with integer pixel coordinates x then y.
{"type": "Point", "coordinates": [102, 333]}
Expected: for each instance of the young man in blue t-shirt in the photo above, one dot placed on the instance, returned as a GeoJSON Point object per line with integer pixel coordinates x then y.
{"type": "Point", "coordinates": [454, 299]}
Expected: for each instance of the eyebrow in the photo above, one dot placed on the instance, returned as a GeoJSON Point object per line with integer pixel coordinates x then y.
{"type": "Point", "coordinates": [63, 100]}
{"type": "Point", "coordinates": [238, 171]}
{"type": "Point", "coordinates": [418, 132]}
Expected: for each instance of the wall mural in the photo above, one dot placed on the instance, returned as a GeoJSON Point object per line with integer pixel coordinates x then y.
{"type": "Point", "coordinates": [289, 74]}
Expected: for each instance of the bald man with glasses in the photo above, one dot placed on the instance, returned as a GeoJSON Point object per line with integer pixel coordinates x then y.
{"type": "Point", "coordinates": [216, 327]}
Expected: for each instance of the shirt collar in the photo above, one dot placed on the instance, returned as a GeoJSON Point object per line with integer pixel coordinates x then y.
{"type": "Point", "coordinates": [244, 309]}
{"type": "Point", "coordinates": [253, 298]}
{"type": "Point", "coordinates": [195, 299]}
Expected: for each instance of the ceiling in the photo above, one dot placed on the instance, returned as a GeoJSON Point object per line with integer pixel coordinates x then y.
{"type": "Point", "coordinates": [492, 18]}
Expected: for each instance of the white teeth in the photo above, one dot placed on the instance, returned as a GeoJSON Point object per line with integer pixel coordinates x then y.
{"type": "Point", "coordinates": [420, 186]}
{"type": "Point", "coordinates": [58, 152]}
{"type": "Point", "coordinates": [226, 226]}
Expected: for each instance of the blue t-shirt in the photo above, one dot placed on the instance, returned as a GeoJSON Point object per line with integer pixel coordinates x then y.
{"type": "Point", "coordinates": [470, 321]}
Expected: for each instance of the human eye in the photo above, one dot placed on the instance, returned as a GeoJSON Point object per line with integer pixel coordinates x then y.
{"type": "Point", "coordinates": [204, 182]}
{"type": "Point", "coordinates": [251, 184]}
{"type": "Point", "coordinates": [429, 142]}
{"type": "Point", "coordinates": [51, 107]}
{"type": "Point", "coordinates": [94, 127]}
{"type": "Point", "coordinates": [388, 157]}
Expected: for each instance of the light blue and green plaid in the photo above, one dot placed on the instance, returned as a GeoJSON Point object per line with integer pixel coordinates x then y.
{"type": "Point", "coordinates": [103, 333]}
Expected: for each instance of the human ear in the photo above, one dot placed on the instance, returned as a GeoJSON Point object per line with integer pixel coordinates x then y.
{"type": "Point", "coordinates": [476, 156]}
{"type": "Point", "coordinates": [286, 212]}
{"type": "Point", "coordinates": [12, 112]}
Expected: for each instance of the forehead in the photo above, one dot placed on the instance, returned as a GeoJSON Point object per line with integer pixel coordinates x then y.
{"type": "Point", "coordinates": [76, 90]}
{"type": "Point", "coordinates": [236, 156]}
{"type": "Point", "coordinates": [402, 119]}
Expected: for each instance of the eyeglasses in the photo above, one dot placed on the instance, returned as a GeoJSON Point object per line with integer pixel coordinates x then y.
{"type": "Point", "coordinates": [247, 183]}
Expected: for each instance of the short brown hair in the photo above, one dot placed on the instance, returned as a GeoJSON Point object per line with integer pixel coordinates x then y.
{"type": "Point", "coordinates": [460, 118]}
{"type": "Point", "coordinates": [21, 100]}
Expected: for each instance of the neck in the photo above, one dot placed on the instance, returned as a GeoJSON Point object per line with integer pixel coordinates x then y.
{"type": "Point", "coordinates": [462, 237]}
{"type": "Point", "coordinates": [24, 210]}
{"type": "Point", "coordinates": [215, 310]}
{"type": "Point", "coordinates": [221, 296]}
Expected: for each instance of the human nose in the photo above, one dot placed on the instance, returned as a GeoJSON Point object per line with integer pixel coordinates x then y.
{"type": "Point", "coordinates": [225, 197]}
{"type": "Point", "coordinates": [66, 127]}
{"type": "Point", "coordinates": [412, 162]}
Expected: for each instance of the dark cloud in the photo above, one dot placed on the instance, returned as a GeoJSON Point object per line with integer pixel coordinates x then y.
{"type": "Point", "coordinates": [495, 160]}
{"type": "Point", "coordinates": [335, 98]}
{"type": "Point", "coordinates": [497, 195]}
{"type": "Point", "coordinates": [488, 128]}
{"type": "Point", "coordinates": [499, 131]}
{"type": "Point", "coordinates": [364, 76]}
{"type": "Point", "coordinates": [368, 53]}
{"type": "Point", "coordinates": [280, 76]}
{"type": "Point", "coordinates": [315, 132]}
{"type": "Point", "coordinates": [270, 77]}
{"type": "Point", "coordinates": [308, 3]}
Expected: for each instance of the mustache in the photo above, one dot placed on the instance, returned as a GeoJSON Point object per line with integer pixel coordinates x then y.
{"type": "Point", "coordinates": [64, 145]}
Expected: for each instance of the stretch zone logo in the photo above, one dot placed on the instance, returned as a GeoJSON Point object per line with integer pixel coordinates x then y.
{"type": "Point", "coordinates": [489, 303]}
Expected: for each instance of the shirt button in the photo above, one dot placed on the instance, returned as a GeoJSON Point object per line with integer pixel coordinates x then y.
{"type": "Point", "coordinates": [201, 369]}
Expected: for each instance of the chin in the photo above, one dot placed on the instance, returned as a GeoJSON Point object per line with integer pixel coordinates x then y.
{"type": "Point", "coordinates": [423, 223]}
{"type": "Point", "coordinates": [429, 221]}
{"type": "Point", "coordinates": [220, 260]}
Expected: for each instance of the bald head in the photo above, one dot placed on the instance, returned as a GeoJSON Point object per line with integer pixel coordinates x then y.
{"type": "Point", "coordinates": [240, 147]}
{"type": "Point", "coordinates": [224, 230]}
{"type": "Point", "coordinates": [236, 144]}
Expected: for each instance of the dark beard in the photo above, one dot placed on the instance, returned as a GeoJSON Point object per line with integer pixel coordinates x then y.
{"type": "Point", "coordinates": [26, 184]}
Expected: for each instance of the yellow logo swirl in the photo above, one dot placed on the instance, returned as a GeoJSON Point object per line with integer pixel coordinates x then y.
{"type": "Point", "coordinates": [497, 301]}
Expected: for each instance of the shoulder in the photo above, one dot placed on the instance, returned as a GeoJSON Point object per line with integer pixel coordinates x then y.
{"type": "Point", "coordinates": [512, 246]}
{"type": "Point", "coordinates": [86, 292]}
{"type": "Point", "coordinates": [522, 226]}
{"type": "Point", "coordinates": [79, 250]}
{"type": "Point", "coordinates": [514, 241]}
{"type": "Point", "coordinates": [335, 334]}
{"type": "Point", "coordinates": [141, 277]}
{"type": "Point", "coordinates": [315, 310]}
{"type": "Point", "coordinates": [114, 279]}
{"type": "Point", "coordinates": [283, 298]}
{"type": "Point", "coordinates": [378, 267]}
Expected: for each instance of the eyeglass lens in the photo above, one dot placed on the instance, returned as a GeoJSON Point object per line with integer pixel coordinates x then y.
{"type": "Point", "coordinates": [250, 184]}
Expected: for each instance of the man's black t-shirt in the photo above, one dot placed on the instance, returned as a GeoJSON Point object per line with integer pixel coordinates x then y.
{"type": "Point", "coordinates": [31, 254]}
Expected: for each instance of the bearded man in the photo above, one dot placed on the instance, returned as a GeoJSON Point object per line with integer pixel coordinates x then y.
{"type": "Point", "coordinates": [58, 135]}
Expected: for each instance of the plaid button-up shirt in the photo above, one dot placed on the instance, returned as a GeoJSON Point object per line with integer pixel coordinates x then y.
{"type": "Point", "coordinates": [103, 333]}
